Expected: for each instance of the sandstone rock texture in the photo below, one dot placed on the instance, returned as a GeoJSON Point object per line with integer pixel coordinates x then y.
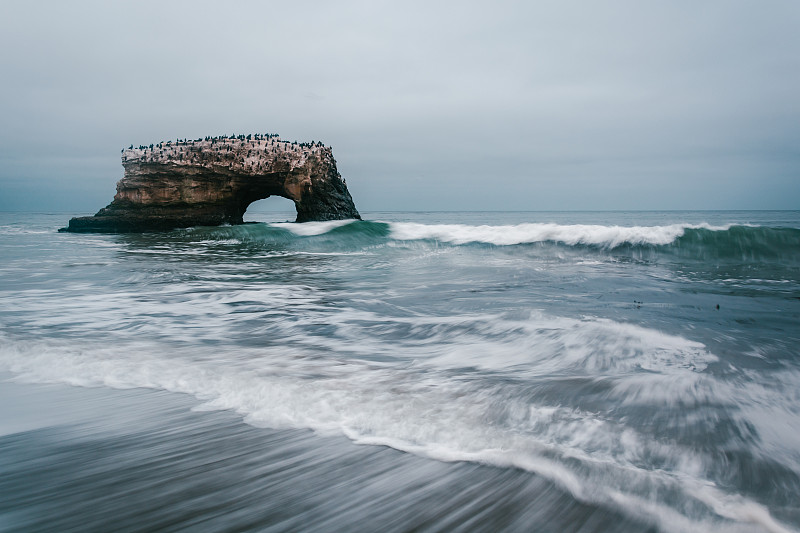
{"type": "Point", "coordinates": [211, 181]}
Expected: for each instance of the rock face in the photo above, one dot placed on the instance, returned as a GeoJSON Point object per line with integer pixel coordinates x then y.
{"type": "Point", "coordinates": [211, 181]}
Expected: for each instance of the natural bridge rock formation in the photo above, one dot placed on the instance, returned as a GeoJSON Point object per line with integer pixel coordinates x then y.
{"type": "Point", "coordinates": [211, 181]}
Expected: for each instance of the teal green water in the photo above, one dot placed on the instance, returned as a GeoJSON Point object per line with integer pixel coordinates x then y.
{"type": "Point", "coordinates": [626, 371]}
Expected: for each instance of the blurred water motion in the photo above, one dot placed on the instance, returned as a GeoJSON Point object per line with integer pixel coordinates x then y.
{"type": "Point", "coordinates": [411, 372]}
{"type": "Point", "coordinates": [140, 460]}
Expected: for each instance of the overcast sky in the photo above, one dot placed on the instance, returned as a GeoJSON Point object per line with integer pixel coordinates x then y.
{"type": "Point", "coordinates": [428, 106]}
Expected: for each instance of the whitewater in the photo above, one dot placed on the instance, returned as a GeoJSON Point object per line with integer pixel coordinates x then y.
{"type": "Point", "coordinates": [626, 371]}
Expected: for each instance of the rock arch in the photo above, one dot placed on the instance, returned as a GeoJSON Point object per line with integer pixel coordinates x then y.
{"type": "Point", "coordinates": [212, 181]}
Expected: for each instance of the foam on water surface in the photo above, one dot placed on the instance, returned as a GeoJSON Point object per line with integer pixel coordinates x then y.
{"type": "Point", "coordinates": [433, 407]}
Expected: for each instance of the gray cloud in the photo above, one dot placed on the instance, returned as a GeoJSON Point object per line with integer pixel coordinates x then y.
{"type": "Point", "coordinates": [517, 105]}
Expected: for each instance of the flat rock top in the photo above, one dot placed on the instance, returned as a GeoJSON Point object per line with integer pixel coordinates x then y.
{"type": "Point", "coordinates": [245, 155]}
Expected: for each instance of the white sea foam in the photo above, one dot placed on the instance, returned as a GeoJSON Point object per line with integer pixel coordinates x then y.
{"type": "Point", "coordinates": [22, 230]}
{"type": "Point", "coordinates": [306, 229]}
{"type": "Point", "coordinates": [427, 408]}
{"type": "Point", "coordinates": [605, 236]}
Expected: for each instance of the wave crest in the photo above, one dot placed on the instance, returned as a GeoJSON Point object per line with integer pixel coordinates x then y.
{"type": "Point", "coordinates": [688, 241]}
{"type": "Point", "coordinates": [593, 235]}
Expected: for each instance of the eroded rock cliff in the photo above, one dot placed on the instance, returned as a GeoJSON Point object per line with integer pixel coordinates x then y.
{"type": "Point", "coordinates": [212, 181]}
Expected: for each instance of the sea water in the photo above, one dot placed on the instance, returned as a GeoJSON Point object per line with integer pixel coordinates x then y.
{"type": "Point", "coordinates": [570, 371]}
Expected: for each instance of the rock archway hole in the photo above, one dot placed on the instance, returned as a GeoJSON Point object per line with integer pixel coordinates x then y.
{"type": "Point", "coordinates": [272, 209]}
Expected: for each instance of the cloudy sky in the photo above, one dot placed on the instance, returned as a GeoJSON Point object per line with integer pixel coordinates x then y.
{"type": "Point", "coordinates": [560, 105]}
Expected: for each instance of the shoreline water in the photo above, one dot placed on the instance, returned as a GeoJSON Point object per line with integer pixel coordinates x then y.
{"type": "Point", "coordinates": [639, 373]}
{"type": "Point", "coordinates": [90, 459]}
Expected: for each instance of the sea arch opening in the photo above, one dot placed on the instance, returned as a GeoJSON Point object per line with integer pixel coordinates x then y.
{"type": "Point", "coordinates": [271, 209]}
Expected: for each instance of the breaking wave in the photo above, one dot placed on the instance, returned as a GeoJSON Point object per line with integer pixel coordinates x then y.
{"type": "Point", "coordinates": [694, 240]}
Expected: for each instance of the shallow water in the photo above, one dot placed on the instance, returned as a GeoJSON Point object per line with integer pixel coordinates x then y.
{"type": "Point", "coordinates": [558, 371]}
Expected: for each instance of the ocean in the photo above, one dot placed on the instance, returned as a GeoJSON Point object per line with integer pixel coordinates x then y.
{"type": "Point", "coordinates": [450, 371]}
